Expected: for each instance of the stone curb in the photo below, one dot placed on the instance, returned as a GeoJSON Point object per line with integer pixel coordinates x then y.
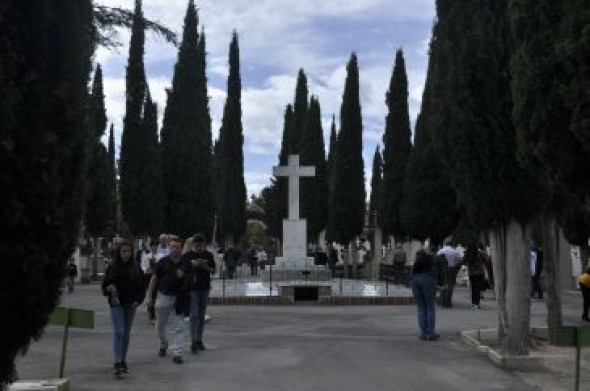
{"type": "Point", "coordinates": [41, 385]}
{"type": "Point", "coordinates": [508, 362]}
{"type": "Point", "coordinates": [328, 300]}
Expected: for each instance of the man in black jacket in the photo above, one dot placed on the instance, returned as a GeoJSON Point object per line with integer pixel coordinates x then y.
{"type": "Point", "coordinates": [202, 266]}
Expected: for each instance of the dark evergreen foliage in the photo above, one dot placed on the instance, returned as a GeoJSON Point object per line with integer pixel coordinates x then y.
{"type": "Point", "coordinates": [186, 140]}
{"type": "Point", "coordinates": [474, 134]}
{"type": "Point", "coordinates": [544, 116]}
{"type": "Point", "coordinates": [231, 201]}
{"type": "Point", "coordinates": [108, 19]}
{"type": "Point", "coordinates": [428, 207]}
{"type": "Point", "coordinates": [153, 197]}
{"type": "Point", "coordinates": [276, 194]}
{"type": "Point", "coordinates": [113, 214]}
{"type": "Point", "coordinates": [376, 183]}
{"type": "Point", "coordinates": [300, 112]}
{"type": "Point", "coordinates": [132, 140]}
{"type": "Point", "coordinates": [96, 189]}
{"type": "Point", "coordinates": [44, 73]}
{"type": "Point", "coordinates": [396, 151]}
{"type": "Point", "coordinates": [331, 169]}
{"type": "Point", "coordinates": [349, 177]}
{"type": "Point", "coordinates": [314, 190]}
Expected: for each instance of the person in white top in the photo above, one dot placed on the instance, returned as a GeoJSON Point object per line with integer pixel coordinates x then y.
{"type": "Point", "coordinates": [453, 258]}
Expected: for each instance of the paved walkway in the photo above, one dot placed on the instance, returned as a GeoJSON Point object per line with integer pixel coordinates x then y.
{"type": "Point", "coordinates": [287, 348]}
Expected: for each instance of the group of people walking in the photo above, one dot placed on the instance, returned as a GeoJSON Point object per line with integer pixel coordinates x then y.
{"type": "Point", "coordinates": [174, 284]}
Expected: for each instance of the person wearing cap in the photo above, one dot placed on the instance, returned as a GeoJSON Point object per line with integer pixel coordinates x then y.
{"type": "Point", "coordinates": [202, 266]}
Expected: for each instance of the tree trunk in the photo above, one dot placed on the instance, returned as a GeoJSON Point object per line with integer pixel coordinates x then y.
{"type": "Point", "coordinates": [345, 261]}
{"type": "Point", "coordinates": [551, 266]}
{"type": "Point", "coordinates": [95, 250]}
{"type": "Point", "coordinates": [377, 256]}
{"type": "Point", "coordinates": [518, 288]}
{"type": "Point", "coordinates": [584, 255]}
{"type": "Point", "coordinates": [498, 246]}
{"type": "Point", "coordinates": [354, 255]}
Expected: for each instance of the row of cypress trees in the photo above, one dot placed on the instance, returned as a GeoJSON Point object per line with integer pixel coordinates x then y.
{"type": "Point", "coordinates": [174, 185]}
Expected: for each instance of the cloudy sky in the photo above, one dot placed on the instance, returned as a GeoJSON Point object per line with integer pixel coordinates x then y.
{"type": "Point", "coordinates": [276, 38]}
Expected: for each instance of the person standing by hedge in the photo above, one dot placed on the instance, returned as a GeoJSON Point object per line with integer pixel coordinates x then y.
{"type": "Point", "coordinates": [123, 285]}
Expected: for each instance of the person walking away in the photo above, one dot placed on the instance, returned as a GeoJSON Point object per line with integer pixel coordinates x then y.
{"type": "Point", "coordinates": [584, 281]}
{"type": "Point", "coordinates": [424, 288]}
{"type": "Point", "coordinates": [230, 259]}
{"type": "Point", "coordinates": [170, 281]}
{"type": "Point", "coordinates": [71, 274]}
{"type": "Point", "coordinates": [123, 285]}
{"type": "Point", "coordinates": [476, 270]}
{"type": "Point", "coordinates": [202, 267]}
{"type": "Point", "coordinates": [537, 286]}
{"type": "Point", "coordinates": [253, 262]}
{"type": "Point", "coordinates": [453, 259]}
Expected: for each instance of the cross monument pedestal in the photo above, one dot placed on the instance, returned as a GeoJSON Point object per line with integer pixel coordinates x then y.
{"type": "Point", "coordinates": [294, 259]}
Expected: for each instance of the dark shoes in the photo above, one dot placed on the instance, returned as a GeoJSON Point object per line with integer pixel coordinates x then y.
{"type": "Point", "coordinates": [117, 370]}
{"type": "Point", "coordinates": [434, 337]}
{"type": "Point", "coordinates": [161, 352]}
{"type": "Point", "coordinates": [124, 367]}
{"type": "Point", "coordinates": [422, 338]}
{"type": "Point", "coordinates": [177, 360]}
{"type": "Point", "coordinates": [196, 346]}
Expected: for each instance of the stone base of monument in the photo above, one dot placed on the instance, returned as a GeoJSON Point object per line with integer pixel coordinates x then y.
{"type": "Point", "coordinates": [288, 269]}
{"type": "Point", "coordinates": [41, 385]}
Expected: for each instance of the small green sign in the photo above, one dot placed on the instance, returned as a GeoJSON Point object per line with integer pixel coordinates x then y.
{"type": "Point", "coordinates": [83, 319]}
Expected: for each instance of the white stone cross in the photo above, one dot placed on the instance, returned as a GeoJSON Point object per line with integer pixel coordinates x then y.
{"type": "Point", "coordinates": [383, 251]}
{"type": "Point", "coordinates": [293, 170]}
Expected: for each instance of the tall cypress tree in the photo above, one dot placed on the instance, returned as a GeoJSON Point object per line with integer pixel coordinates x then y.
{"type": "Point", "coordinates": [232, 190]}
{"type": "Point", "coordinates": [314, 190]}
{"type": "Point", "coordinates": [396, 151]}
{"type": "Point", "coordinates": [332, 146]}
{"type": "Point", "coordinates": [96, 217]}
{"type": "Point", "coordinates": [478, 142]}
{"type": "Point", "coordinates": [429, 201]}
{"type": "Point", "coordinates": [186, 140]}
{"type": "Point", "coordinates": [376, 183]}
{"type": "Point", "coordinates": [276, 195]}
{"type": "Point", "coordinates": [44, 73]}
{"type": "Point", "coordinates": [151, 176]}
{"type": "Point", "coordinates": [132, 138]}
{"type": "Point", "coordinates": [113, 214]}
{"type": "Point", "coordinates": [349, 177]}
{"type": "Point", "coordinates": [300, 111]}
{"type": "Point", "coordinates": [331, 167]}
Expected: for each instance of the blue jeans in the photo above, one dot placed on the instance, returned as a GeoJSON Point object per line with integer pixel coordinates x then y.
{"type": "Point", "coordinates": [424, 288]}
{"type": "Point", "coordinates": [197, 314]}
{"type": "Point", "coordinates": [122, 319]}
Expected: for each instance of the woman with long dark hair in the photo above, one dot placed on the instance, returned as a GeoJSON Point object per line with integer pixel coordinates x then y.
{"type": "Point", "coordinates": [424, 285]}
{"type": "Point", "coordinates": [123, 285]}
